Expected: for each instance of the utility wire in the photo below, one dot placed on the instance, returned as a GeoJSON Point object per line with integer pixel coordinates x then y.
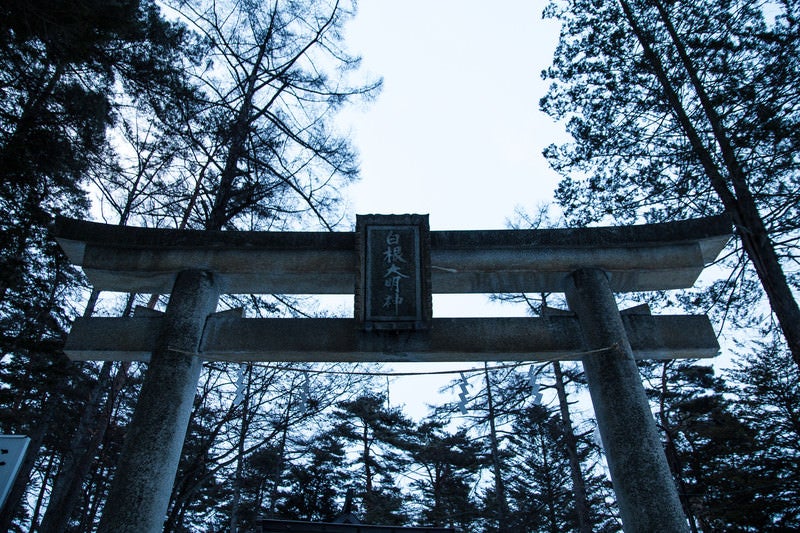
{"type": "Point", "coordinates": [577, 355]}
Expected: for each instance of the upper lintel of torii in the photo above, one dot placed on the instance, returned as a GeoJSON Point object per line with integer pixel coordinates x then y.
{"type": "Point", "coordinates": [637, 258]}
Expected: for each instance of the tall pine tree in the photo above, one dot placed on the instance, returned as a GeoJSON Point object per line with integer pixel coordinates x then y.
{"type": "Point", "coordinates": [681, 109]}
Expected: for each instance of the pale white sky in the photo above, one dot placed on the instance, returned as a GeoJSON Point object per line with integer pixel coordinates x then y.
{"type": "Point", "coordinates": [456, 132]}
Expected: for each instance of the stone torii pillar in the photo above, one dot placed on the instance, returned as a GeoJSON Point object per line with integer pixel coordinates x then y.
{"type": "Point", "coordinates": [149, 460]}
{"type": "Point", "coordinates": [589, 264]}
{"type": "Point", "coordinates": [646, 493]}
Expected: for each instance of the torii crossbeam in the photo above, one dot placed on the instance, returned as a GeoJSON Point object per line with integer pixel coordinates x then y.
{"type": "Point", "coordinates": [392, 264]}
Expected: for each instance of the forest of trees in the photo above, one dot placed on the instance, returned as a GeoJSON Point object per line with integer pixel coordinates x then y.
{"type": "Point", "coordinates": [219, 115]}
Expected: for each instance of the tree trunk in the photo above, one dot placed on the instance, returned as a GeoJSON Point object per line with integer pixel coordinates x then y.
{"type": "Point", "coordinates": [237, 480]}
{"type": "Point", "coordinates": [739, 203]}
{"type": "Point", "coordinates": [222, 201]}
{"type": "Point", "coordinates": [550, 500]}
{"type": "Point", "coordinates": [367, 469]}
{"type": "Point", "coordinates": [278, 474]}
{"type": "Point", "coordinates": [78, 461]}
{"type": "Point", "coordinates": [86, 440]}
{"type": "Point", "coordinates": [42, 491]}
{"type": "Point", "coordinates": [582, 509]}
{"type": "Point", "coordinates": [673, 459]}
{"type": "Point", "coordinates": [499, 486]}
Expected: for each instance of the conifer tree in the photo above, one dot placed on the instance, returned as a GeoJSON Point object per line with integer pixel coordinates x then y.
{"type": "Point", "coordinates": [706, 444]}
{"type": "Point", "coordinates": [74, 72]}
{"type": "Point", "coordinates": [768, 387]}
{"type": "Point", "coordinates": [450, 464]}
{"type": "Point", "coordinates": [682, 109]}
{"type": "Point", "coordinates": [540, 488]}
{"type": "Point", "coordinates": [63, 67]}
{"type": "Point", "coordinates": [377, 434]}
{"type": "Point", "coordinates": [315, 486]}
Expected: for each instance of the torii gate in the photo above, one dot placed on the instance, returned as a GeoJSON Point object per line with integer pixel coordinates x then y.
{"type": "Point", "coordinates": [393, 263]}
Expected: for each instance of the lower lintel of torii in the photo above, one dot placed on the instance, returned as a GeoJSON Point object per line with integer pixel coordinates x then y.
{"type": "Point", "coordinates": [228, 338]}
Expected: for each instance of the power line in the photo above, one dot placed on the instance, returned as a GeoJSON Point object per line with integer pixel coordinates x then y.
{"type": "Point", "coordinates": [577, 355]}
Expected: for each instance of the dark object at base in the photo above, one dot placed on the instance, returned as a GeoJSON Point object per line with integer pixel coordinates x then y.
{"type": "Point", "coordinates": [293, 526]}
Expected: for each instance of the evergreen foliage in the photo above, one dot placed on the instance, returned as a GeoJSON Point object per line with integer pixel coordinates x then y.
{"type": "Point", "coordinates": [378, 433]}
{"type": "Point", "coordinates": [540, 488]}
{"type": "Point", "coordinates": [314, 488]}
{"type": "Point", "coordinates": [217, 115]}
{"type": "Point", "coordinates": [451, 464]}
{"type": "Point", "coordinates": [768, 387]}
{"type": "Point", "coordinates": [682, 109]}
{"type": "Point", "coordinates": [62, 66]}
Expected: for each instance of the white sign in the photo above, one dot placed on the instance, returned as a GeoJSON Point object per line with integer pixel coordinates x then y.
{"type": "Point", "coordinates": [12, 451]}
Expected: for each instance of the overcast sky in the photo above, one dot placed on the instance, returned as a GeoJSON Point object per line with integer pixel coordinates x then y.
{"type": "Point", "coordinates": [456, 132]}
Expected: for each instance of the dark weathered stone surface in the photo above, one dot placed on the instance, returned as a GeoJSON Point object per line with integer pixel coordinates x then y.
{"type": "Point", "coordinates": [454, 339]}
{"type": "Point", "coordinates": [637, 258]}
{"type": "Point", "coordinates": [646, 493]}
{"type": "Point", "coordinates": [645, 257]}
{"type": "Point", "coordinates": [143, 481]}
{"type": "Point", "coordinates": [702, 229]}
{"type": "Point", "coordinates": [393, 281]}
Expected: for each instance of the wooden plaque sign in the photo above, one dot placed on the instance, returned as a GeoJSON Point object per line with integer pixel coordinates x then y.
{"type": "Point", "coordinates": [393, 287]}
